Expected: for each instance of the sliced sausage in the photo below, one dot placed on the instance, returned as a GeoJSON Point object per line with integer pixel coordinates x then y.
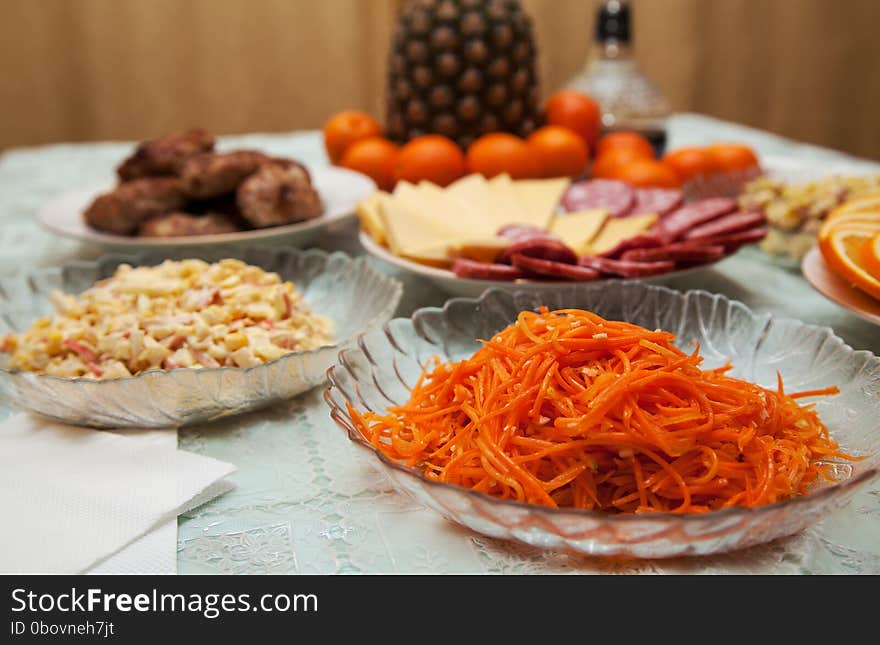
{"type": "Point", "coordinates": [541, 248]}
{"type": "Point", "coordinates": [657, 200]}
{"type": "Point", "coordinates": [627, 268]}
{"type": "Point", "coordinates": [549, 269]}
{"type": "Point", "coordinates": [617, 197]}
{"type": "Point", "coordinates": [644, 241]}
{"type": "Point", "coordinates": [520, 232]}
{"type": "Point", "coordinates": [732, 223]}
{"type": "Point", "coordinates": [688, 252]}
{"type": "Point", "coordinates": [676, 224]}
{"type": "Point", "coordinates": [733, 241]}
{"type": "Point", "coordinates": [464, 268]}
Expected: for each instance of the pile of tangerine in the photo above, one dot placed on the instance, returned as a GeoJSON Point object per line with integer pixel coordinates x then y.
{"type": "Point", "coordinates": [561, 148]}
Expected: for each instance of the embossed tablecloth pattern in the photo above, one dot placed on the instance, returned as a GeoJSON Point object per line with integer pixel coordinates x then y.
{"type": "Point", "coordinates": [306, 502]}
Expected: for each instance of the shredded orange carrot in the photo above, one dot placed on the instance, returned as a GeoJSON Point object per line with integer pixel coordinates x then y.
{"type": "Point", "coordinates": [566, 409]}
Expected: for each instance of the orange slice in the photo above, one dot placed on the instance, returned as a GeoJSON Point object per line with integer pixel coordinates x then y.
{"type": "Point", "coordinates": [842, 250]}
{"type": "Point", "coordinates": [871, 256]}
{"type": "Point", "coordinates": [868, 201]}
{"type": "Point", "coordinates": [865, 220]}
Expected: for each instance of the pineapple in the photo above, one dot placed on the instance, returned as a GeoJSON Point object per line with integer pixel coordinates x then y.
{"type": "Point", "coordinates": [462, 68]}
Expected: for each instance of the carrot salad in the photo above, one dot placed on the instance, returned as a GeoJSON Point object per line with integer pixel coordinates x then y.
{"type": "Point", "coordinates": [566, 409]}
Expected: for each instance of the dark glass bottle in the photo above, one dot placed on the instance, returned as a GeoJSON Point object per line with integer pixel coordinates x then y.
{"type": "Point", "coordinates": [612, 76]}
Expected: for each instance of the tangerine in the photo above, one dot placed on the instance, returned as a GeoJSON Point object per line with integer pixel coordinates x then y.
{"type": "Point", "coordinates": [344, 128]}
{"type": "Point", "coordinates": [647, 173]}
{"type": "Point", "coordinates": [608, 162]}
{"type": "Point", "coordinates": [625, 139]}
{"type": "Point", "coordinates": [497, 153]}
{"type": "Point", "coordinates": [733, 157]}
{"type": "Point", "coordinates": [374, 157]}
{"type": "Point", "coordinates": [690, 162]}
{"type": "Point", "coordinates": [430, 157]}
{"type": "Point", "coordinates": [559, 152]}
{"type": "Point", "coordinates": [577, 112]}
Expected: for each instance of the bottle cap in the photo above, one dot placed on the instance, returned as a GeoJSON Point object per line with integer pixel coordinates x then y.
{"type": "Point", "coordinates": [612, 23]}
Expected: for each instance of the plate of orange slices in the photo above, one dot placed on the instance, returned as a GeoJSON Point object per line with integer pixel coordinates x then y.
{"type": "Point", "coordinates": [845, 265]}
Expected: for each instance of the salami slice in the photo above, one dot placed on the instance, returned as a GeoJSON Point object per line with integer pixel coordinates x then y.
{"type": "Point", "coordinates": [686, 252]}
{"type": "Point", "coordinates": [550, 269]}
{"type": "Point", "coordinates": [465, 268]}
{"type": "Point", "coordinates": [733, 241]}
{"type": "Point", "coordinates": [520, 232]}
{"type": "Point", "coordinates": [626, 268]}
{"type": "Point", "coordinates": [733, 223]}
{"type": "Point", "coordinates": [615, 196]}
{"type": "Point", "coordinates": [541, 248]}
{"type": "Point", "coordinates": [657, 200]}
{"type": "Point", "coordinates": [676, 224]}
{"type": "Point", "coordinates": [645, 241]}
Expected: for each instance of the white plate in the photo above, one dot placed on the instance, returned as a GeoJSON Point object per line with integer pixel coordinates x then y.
{"type": "Point", "coordinates": [340, 189]}
{"type": "Point", "coordinates": [470, 288]}
{"type": "Point", "coordinates": [832, 286]}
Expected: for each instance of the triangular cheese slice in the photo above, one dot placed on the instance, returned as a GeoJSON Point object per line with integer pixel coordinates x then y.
{"type": "Point", "coordinates": [617, 229]}
{"type": "Point", "coordinates": [540, 198]}
{"type": "Point", "coordinates": [371, 221]}
{"type": "Point", "coordinates": [578, 229]}
{"type": "Point", "coordinates": [408, 230]}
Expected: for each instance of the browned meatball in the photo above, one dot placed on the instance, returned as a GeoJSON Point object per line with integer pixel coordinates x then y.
{"type": "Point", "coordinates": [183, 224]}
{"type": "Point", "coordinates": [164, 156]}
{"type": "Point", "coordinates": [122, 210]}
{"type": "Point", "coordinates": [278, 193]}
{"type": "Point", "coordinates": [212, 174]}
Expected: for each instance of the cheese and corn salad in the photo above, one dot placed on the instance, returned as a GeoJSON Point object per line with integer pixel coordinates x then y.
{"type": "Point", "coordinates": [797, 206]}
{"type": "Point", "coordinates": [178, 314]}
{"type": "Point", "coordinates": [795, 210]}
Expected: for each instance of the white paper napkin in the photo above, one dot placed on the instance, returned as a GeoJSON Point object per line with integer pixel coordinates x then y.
{"type": "Point", "coordinates": [71, 498]}
{"type": "Point", "coordinates": [154, 552]}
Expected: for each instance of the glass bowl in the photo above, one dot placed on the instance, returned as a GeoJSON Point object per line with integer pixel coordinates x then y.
{"type": "Point", "coordinates": [351, 292]}
{"type": "Point", "coordinates": [382, 367]}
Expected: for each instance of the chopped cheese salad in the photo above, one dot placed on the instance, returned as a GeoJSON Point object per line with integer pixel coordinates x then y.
{"type": "Point", "coordinates": [178, 314]}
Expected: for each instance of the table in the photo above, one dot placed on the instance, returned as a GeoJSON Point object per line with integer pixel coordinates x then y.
{"type": "Point", "coordinates": [306, 502]}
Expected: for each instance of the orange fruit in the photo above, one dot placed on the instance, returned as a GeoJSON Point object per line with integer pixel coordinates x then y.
{"type": "Point", "coordinates": [608, 162]}
{"type": "Point", "coordinates": [839, 219]}
{"type": "Point", "coordinates": [842, 250]}
{"type": "Point", "coordinates": [344, 128]}
{"type": "Point", "coordinates": [575, 111]}
{"type": "Point", "coordinates": [733, 157]}
{"type": "Point", "coordinates": [497, 153]}
{"type": "Point", "coordinates": [866, 202]}
{"type": "Point", "coordinates": [647, 173]}
{"type": "Point", "coordinates": [871, 256]}
{"type": "Point", "coordinates": [374, 157]}
{"type": "Point", "coordinates": [559, 152]}
{"type": "Point", "coordinates": [690, 162]}
{"type": "Point", "coordinates": [625, 139]}
{"type": "Point", "coordinates": [431, 157]}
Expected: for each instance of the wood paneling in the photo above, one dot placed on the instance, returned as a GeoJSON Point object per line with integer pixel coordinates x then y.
{"type": "Point", "coordinates": [99, 69]}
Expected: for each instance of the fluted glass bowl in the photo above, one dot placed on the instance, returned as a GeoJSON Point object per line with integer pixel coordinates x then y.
{"type": "Point", "coordinates": [385, 363]}
{"type": "Point", "coordinates": [351, 292]}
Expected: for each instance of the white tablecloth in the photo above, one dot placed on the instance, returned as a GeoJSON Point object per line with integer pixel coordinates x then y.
{"type": "Point", "coordinates": [306, 502]}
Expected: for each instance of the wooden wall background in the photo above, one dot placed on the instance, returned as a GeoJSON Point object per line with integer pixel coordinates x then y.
{"type": "Point", "coordinates": [73, 70]}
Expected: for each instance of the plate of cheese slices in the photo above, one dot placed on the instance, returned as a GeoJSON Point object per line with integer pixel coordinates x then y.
{"type": "Point", "coordinates": [478, 233]}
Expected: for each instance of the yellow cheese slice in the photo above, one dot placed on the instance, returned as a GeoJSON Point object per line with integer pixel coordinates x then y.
{"type": "Point", "coordinates": [408, 231]}
{"type": "Point", "coordinates": [435, 203]}
{"type": "Point", "coordinates": [540, 198]}
{"type": "Point", "coordinates": [482, 250]}
{"type": "Point", "coordinates": [504, 206]}
{"type": "Point", "coordinates": [578, 229]}
{"type": "Point", "coordinates": [617, 229]}
{"type": "Point", "coordinates": [371, 221]}
{"type": "Point", "coordinates": [471, 193]}
{"type": "Point", "coordinates": [436, 255]}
